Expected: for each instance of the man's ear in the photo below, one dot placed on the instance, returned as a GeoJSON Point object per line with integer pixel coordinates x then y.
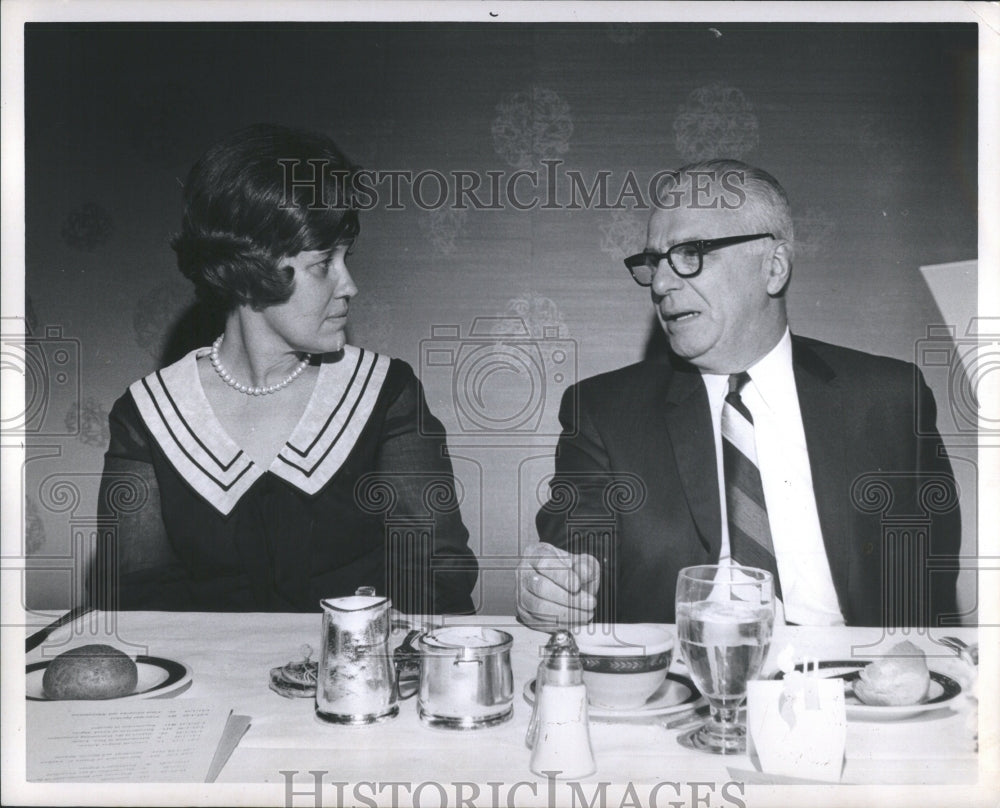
{"type": "Point", "coordinates": [778, 266]}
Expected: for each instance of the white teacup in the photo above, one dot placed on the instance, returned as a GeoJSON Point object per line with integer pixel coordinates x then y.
{"type": "Point", "coordinates": [623, 663]}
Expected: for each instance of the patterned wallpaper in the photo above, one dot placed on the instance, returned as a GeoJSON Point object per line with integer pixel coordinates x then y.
{"type": "Point", "coordinates": [872, 129]}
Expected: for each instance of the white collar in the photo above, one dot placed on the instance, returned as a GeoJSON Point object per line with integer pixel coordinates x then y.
{"type": "Point", "coordinates": [772, 375]}
{"type": "Point", "coordinates": [174, 407]}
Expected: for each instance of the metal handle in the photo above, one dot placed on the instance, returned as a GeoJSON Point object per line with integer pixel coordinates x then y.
{"type": "Point", "coordinates": [967, 653]}
{"type": "Point", "coordinates": [42, 635]}
{"type": "Point", "coordinates": [531, 736]}
{"type": "Point", "coordinates": [407, 663]}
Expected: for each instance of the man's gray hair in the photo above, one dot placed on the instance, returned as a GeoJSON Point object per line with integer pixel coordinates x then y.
{"type": "Point", "coordinates": [764, 201]}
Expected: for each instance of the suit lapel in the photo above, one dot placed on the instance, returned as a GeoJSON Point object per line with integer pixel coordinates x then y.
{"type": "Point", "coordinates": [820, 402]}
{"type": "Point", "coordinates": [689, 424]}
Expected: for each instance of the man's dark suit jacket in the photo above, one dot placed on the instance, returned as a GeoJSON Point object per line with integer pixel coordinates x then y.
{"type": "Point", "coordinates": [636, 484]}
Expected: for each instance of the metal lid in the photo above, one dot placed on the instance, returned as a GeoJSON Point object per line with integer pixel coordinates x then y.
{"type": "Point", "coordinates": [466, 641]}
{"type": "Point", "coordinates": [364, 597]}
{"type": "Point", "coordinates": [562, 660]}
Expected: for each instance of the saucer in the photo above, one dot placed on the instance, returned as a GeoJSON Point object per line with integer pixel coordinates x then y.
{"type": "Point", "coordinates": [943, 690]}
{"type": "Point", "coordinates": [677, 693]}
{"type": "Point", "coordinates": [158, 678]}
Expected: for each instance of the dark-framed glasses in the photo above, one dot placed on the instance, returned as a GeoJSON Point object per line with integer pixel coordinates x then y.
{"type": "Point", "coordinates": [685, 259]}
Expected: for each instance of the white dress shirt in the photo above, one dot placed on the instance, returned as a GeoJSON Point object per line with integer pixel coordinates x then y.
{"type": "Point", "coordinates": [809, 597]}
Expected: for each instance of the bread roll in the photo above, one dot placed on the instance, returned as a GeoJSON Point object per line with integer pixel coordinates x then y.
{"type": "Point", "coordinates": [899, 679]}
{"type": "Point", "coordinates": [90, 672]}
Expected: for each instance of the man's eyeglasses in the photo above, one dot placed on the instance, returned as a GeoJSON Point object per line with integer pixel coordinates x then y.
{"type": "Point", "coordinates": [685, 259]}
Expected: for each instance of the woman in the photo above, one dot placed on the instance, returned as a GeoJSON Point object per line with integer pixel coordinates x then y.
{"type": "Point", "coordinates": [279, 465]}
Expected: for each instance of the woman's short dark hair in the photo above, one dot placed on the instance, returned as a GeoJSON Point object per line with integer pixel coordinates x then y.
{"type": "Point", "coordinates": [262, 193]}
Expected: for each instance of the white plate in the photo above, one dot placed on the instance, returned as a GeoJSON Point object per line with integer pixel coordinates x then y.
{"type": "Point", "coordinates": [677, 693]}
{"type": "Point", "coordinates": [158, 678]}
{"type": "Point", "coordinates": [942, 692]}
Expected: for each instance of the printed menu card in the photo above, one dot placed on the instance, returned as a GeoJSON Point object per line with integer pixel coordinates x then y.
{"type": "Point", "coordinates": [177, 740]}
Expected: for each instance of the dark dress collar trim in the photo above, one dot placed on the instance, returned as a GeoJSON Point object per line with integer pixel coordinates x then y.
{"type": "Point", "coordinates": [174, 408]}
{"type": "Point", "coordinates": [338, 411]}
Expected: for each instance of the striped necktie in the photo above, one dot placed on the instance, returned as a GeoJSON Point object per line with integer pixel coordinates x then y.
{"type": "Point", "coordinates": [749, 530]}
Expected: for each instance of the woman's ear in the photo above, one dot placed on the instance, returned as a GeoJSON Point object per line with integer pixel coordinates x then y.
{"type": "Point", "coordinates": [779, 268]}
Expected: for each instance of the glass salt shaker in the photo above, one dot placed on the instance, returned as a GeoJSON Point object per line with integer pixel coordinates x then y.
{"type": "Point", "coordinates": [559, 731]}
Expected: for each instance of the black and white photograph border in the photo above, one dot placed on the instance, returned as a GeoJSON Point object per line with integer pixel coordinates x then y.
{"type": "Point", "coordinates": [85, 226]}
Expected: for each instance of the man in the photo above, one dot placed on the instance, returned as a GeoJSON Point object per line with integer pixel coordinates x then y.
{"type": "Point", "coordinates": [745, 445]}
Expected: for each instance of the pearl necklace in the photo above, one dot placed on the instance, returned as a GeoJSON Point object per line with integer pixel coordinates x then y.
{"type": "Point", "coordinates": [247, 389]}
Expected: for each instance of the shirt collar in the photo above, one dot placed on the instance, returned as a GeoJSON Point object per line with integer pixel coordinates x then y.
{"type": "Point", "coordinates": [772, 375]}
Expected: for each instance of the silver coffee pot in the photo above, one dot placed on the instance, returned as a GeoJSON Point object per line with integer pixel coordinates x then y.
{"type": "Point", "coordinates": [356, 681]}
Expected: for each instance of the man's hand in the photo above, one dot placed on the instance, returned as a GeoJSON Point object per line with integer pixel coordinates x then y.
{"type": "Point", "coordinates": [556, 589]}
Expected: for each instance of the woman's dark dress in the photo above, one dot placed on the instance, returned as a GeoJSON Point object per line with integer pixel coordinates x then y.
{"type": "Point", "coordinates": [189, 522]}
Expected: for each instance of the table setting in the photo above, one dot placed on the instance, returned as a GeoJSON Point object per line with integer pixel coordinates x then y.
{"type": "Point", "coordinates": [371, 696]}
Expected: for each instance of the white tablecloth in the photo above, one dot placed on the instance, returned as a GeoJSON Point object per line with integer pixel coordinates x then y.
{"type": "Point", "coordinates": [230, 656]}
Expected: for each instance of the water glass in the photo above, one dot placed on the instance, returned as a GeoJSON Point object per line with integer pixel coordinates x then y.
{"type": "Point", "coordinates": [725, 614]}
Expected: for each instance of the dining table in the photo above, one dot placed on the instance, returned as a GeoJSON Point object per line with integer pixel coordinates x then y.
{"type": "Point", "coordinates": [288, 757]}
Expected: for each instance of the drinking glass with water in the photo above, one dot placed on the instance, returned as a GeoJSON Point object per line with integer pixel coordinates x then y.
{"type": "Point", "coordinates": [725, 615]}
